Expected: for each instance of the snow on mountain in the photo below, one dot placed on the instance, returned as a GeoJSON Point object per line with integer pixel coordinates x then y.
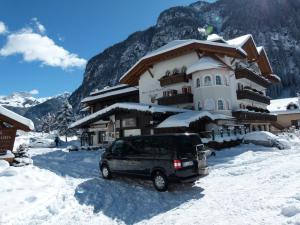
{"type": "Point", "coordinates": [21, 99]}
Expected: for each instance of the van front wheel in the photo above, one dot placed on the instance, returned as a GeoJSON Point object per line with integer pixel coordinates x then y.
{"type": "Point", "coordinates": [160, 181]}
{"type": "Point", "coordinates": [106, 174]}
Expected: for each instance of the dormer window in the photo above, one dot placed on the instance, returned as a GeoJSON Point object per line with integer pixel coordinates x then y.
{"type": "Point", "coordinates": [292, 106]}
{"type": "Point", "coordinates": [168, 73]}
{"type": "Point", "coordinates": [183, 69]}
{"type": "Point", "coordinates": [175, 71]}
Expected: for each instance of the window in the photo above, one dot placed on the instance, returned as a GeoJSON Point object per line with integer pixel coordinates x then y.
{"type": "Point", "coordinates": [168, 73]}
{"type": "Point", "coordinates": [183, 69]}
{"type": "Point", "coordinates": [129, 122]}
{"type": "Point", "coordinates": [198, 82]}
{"type": "Point", "coordinates": [209, 104]}
{"type": "Point", "coordinates": [117, 147]}
{"type": "Point", "coordinates": [218, 80]}
{"type": "Point", "coordinates": [207, 81]}
{"type": "Point", "coordinates": [220, 105]}
{"type": "Point", "coordinates": [199, 106]}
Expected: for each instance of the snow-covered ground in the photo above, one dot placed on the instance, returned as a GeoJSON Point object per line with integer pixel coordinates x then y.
{"type": "Point", "coordinates": [247, 185]}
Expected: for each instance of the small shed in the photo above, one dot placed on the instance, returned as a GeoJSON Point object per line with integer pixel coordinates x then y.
{"type": "Point", "coordinates": [10, 122]}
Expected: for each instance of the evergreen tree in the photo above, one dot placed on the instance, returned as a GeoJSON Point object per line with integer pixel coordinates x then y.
{"type": "Point", "coordinates": [48, 123]}
{"type": "Point", "coordinates": [64, 118]}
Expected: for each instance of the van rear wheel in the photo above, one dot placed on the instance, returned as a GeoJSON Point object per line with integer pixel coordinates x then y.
{"type": "Point", "coordinates": [106, 174]}
{"type": "Point", "coordinates": [160, 181]}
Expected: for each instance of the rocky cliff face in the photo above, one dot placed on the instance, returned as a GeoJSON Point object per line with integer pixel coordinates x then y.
{"type": "Point", "coordinates": [273, 23]}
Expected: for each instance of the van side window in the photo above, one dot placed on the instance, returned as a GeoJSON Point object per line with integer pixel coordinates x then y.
{"type": "Point", "coordinates": [117, 147]}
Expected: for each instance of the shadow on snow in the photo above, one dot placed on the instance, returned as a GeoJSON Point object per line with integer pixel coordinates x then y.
{"type": "Point", "coordinates": [124, 199]}
{"type": "Point", "coordinates": [132, 200]}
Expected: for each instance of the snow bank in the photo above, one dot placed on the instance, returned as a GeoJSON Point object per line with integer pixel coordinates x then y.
{"type": "Point", "coordinates": [3, 165]}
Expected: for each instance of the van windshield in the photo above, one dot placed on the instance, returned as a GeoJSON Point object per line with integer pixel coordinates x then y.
{"type": "Point", "coordinates": [187, 145]}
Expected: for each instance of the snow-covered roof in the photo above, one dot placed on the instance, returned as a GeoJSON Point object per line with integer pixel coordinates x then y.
{"type": "Point", "coordinates": [109, 94]}
{"type": "Point", "coordinates": [16, 117]}
{"type": "Point", "coordinates": [108, 88]}
{"type": "Point", "coordinates": [239, 41]}
{"type": "Point", "coordinates": [259, 49]}
{"type": "Point", "coordinates": [180, 43]}
{"type": "Point", "coordinates": [215, 37]}
{"type": "Point", "coordinates": [129, 106]}
{"type": "Point", "coordinates": [186, 118]}
{"type": "Point", "coordinates": [280, 106]}
{"type": "Point", "coordinates": [205, 63]}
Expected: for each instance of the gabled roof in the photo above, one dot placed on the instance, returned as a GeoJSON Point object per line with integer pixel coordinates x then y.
{"type": "Point", "coordinates": [15, 119]}
{"type": "Point", "coordinates": [108, 89]}
{"type": "Point", "coordinates": [125, 106]}
{"type": "Point", "coordinates": [186, 118]}
{"type": "Point", "coordinates": [280, 106]}
{"type": "Point", "coordinates": [205, 63]}
{"type": "Point", "coordinates": [108, 94]}
{"type": "Point", "coordinates": [174, 49]}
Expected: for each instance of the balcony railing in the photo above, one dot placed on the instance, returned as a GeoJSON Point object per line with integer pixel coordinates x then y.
{"type": "Point", "coordinates": [254, 116]}
{"type": "Point", "coordinates": [176, 99]}
{"type": "Point", "coordinates": [249, 94]}
{"type": "Point", "coordinates": [173, 79]}
{"type": "Point", "coordinates": [250, 75]}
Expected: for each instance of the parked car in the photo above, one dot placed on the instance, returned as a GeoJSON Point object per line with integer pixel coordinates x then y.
{"type": "Point", "coordinates": [163, 158]}
{"type": "Point", "coordinates": [267, 139]}
{"type": "Point", "coordinates": [41, 143]}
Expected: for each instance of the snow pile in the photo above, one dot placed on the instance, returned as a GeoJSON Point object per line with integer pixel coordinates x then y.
{"type": "Point", "coordinates": [266, 138]}
{"type": "Point", "coordinates": [14, 116]}
{"type": "Point", "coordinates": [247, 185]}
{"type": "Point", "coordinates": [3, 165]}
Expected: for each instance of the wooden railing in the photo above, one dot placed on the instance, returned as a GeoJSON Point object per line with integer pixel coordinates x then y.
{"type": "Point", "coordinates": [173, 79]}
{"type": "Point", "coordinates": [254, 116]}
{"type": "Point", "coordinates": [176, 99]}
{"type": "Point", "coordinates": [248, 94]}
{"type": "Point", "coordinates": [252, 76]}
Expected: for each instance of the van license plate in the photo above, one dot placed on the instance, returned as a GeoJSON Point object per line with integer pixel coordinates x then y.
{"type": "Point", "coordinates": [189, 163]}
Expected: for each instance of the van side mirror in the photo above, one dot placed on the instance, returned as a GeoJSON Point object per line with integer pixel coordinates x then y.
{"type": "Point", "coordinates": [200, 147]}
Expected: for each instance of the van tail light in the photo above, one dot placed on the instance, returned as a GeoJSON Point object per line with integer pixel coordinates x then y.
{"type": "Point", "coordinates": [177, 164]}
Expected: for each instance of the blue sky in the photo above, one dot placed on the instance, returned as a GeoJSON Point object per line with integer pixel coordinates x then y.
{"type": "Point", "coordinates": [45, 44]}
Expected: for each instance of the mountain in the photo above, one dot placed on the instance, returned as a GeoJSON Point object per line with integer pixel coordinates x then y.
{"type": "Point", "coordinates": [273, 23]}
{"type": "Point", "coordinates": [21, 99]}
{"type": "Point", "coordinates": [33, 108]}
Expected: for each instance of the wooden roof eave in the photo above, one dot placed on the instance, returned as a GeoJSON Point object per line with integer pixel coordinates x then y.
{"type": "Point", "coordinates": [15, 124]}
{"type": "Point", "coordinates": [132, 76]}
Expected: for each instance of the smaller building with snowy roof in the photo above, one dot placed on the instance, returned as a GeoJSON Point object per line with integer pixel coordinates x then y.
{"type": "Point", "coordinates": [10, 122]}
{"type": "Point", "coordinates": [287, 111]}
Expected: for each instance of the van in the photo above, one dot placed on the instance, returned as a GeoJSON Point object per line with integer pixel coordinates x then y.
{"type": "Point", "coordinates": [167, 158]}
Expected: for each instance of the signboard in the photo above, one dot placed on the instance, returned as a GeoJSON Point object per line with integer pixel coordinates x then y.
{"type": "Point", "coordinates": [132, 132]}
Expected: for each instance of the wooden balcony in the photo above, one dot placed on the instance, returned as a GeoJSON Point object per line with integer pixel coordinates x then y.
{"type": "Point", "coordinates": [249, 94]}
{"type": "Point", "coordinates": [252, 76]}
{"type": "Point", "coordinates": [174, 79]}
{"type": "Point", "coordinates": [176, 99]}
{"type": "Point", "coordinates": [254, 116]}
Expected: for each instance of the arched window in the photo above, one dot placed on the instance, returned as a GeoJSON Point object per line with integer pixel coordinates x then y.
{"type": "Point", "coordinates": [218, 80]}
{"type": "Point", "coordinates": [168, 73]}
{"type": "Point", "coordinates": [220, 105]}
{"type": "Point", "coordinates": [207, 81]}
{"type": "Point", "coordinates": [199, 106]}
{"type": "Point", "coordinates": [198, 82]}
{"type": "Point", "coordinates": [209, 105]}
